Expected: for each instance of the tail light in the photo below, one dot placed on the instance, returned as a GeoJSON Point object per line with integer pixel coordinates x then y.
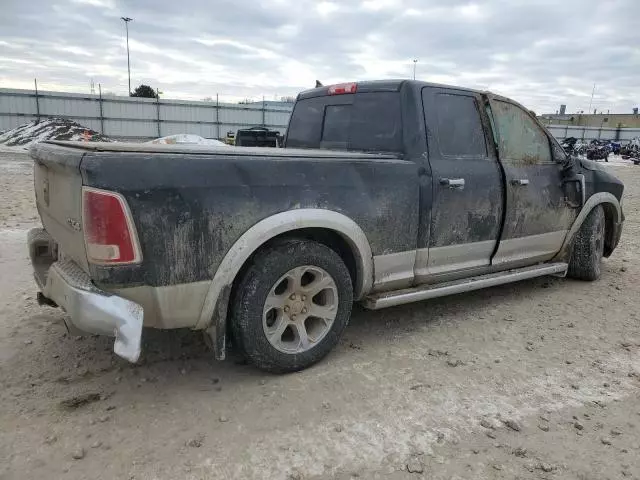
{"type": "Point", "coordinates": [109, 232]}
{"type": "Point", "coordinates": [342, 88]}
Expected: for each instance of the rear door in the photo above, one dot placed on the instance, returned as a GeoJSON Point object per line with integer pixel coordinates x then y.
{"type": "Point", "coordinates": [467, 203]}
{"type": "Point", "coordinates": [537, 215]}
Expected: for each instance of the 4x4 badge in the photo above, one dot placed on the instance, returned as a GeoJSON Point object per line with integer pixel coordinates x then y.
{"type": "Point", "coordinates": [73, 223]}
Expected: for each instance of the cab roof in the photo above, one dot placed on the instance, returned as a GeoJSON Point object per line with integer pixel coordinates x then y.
{"type": "Point", "coordinates": [367, 86]}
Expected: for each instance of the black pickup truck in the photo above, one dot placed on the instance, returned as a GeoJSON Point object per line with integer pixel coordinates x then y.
{"type": "Point", "coordinates": [387, 192]}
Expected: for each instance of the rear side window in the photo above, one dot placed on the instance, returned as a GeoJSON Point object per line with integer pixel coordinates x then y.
{"type": "Point", "coordinates": [521, 140]}
{"type": "Point", "coordinates": [363, 122]}
{"type": "Point", "coordinates": [305, 125]}
{"type": "Point", "coordinates": [460, 130]}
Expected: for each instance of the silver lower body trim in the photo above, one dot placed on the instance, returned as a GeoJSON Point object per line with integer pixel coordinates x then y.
{"type": "Point", "coordinates": [170, 306]}
{"type": "Point", "coordinates": [425, 292]}
{"type": "Point", "coordinates": [442, 260]}
{"type": "Point", "coordinates": [533, 248]}
{"type": "Point", "coordinates": [393, 270]}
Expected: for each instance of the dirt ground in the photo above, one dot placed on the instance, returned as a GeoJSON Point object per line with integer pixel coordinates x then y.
{"type": "Point", "coordinates": [539, 379]}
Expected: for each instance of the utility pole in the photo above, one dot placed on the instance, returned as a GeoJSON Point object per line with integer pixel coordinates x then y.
{"type": "Point", "coordinates": [415, 62]}
{"type": "Point", "coordinates": [591, 101]}
{"type": "Point", "coordinates": [126, 26]}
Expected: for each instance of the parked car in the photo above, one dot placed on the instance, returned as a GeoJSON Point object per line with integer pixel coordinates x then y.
{"type": "Point", "coordinates": [257, 137]}
{"type": "Point", "coordinates": [387, 192]}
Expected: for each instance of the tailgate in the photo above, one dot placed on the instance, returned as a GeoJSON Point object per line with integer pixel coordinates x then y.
{"type": "Point", "coordinates": [58, 188]}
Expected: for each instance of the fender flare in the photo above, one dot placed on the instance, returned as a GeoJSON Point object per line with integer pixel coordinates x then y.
{"type": "Point", "coordinates": [594, 200]}
{"type": "Point", "coordinates": [264, 231]}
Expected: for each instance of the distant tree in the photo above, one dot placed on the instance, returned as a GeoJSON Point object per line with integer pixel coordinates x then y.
{"type": "Point", "coordinates": [288, 99]}
{"type": "Point", "coordinates": [144, 91]}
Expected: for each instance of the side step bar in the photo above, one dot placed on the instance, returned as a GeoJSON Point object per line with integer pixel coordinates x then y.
{"type": "Point", "coordinates": [425, 292]}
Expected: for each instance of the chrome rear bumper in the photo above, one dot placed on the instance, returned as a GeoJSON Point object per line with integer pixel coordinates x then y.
{"type": "Point", "coordinates": [91, 310]}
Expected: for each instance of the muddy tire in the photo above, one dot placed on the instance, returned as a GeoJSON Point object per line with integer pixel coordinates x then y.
{"type": "Point", "coordinates": [586, 255]}
{"type": "Point", "coordinates": [291, 305]}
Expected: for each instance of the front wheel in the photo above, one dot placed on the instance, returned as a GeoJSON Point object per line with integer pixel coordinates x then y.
{"type": "Point", "coordinates": [291, 305]}
{"type": "Point", "coordinates": [588, 246]}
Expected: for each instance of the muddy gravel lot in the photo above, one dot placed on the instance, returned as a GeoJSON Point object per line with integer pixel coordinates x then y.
{"type": "Point", "coordinates": [539, 379]}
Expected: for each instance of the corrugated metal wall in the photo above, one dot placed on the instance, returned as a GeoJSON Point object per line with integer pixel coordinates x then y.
{"type": "Point", "coordinates": [591, 133]}
{"type": "Point", "coordinates": [145, 117]}
{"type": "Point", "coordinates": [138, 117]}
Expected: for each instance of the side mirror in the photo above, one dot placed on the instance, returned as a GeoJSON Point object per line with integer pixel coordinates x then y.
{"type": "Point", "coordinates": [558, 153]}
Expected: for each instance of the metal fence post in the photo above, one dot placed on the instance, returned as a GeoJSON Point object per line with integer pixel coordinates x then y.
{"type": "Point", "coordinates": [35, 82]}
{"type": "Point", "coordinates": [101, 115]}
{"type": "Point", "coordinates": [217, 117]}
{"type": "Point", "coordinates": [264, 107]}
{"type": "Point", "coordinates": [158, 109]}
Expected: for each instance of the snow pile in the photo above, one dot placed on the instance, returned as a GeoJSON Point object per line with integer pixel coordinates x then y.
{"type": "Point", "coordinates": [187, 139]}
{"type": "Point", "coordinates": [49, 129]}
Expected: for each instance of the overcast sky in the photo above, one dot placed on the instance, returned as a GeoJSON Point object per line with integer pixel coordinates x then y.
{"type": "Point", "coordinates": [540, 52]}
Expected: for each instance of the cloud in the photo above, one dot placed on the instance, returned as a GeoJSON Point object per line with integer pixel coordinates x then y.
{"type": "Point", "coordinates": [110, 4]}
{"type": "Point", "coordinates": [540, 53]}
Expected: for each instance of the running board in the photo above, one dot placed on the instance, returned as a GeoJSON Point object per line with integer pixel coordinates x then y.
{"type": "Point", "coordinates": [425, 292]}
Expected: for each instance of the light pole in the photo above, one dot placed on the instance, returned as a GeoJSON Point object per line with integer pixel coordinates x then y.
{"type": "Point", "coordinates": [591, 101]}
{"type": "Point", "coordinates": [415, 62]}
{"type": "Point", "coordinates": [126, 26]}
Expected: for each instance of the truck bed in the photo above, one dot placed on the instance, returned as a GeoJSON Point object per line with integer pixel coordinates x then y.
{"type": "Point", "coordinates": [190, 203]}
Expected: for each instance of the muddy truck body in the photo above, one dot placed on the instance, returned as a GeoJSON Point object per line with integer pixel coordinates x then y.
{"type": "Point", "coordinates": [387, 192]}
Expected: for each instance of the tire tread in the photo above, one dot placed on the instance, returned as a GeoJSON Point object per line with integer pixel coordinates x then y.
{"type": "Point", "coordinates": [585, 257]}
{"type": "Point", "coordinates": [266, 267]}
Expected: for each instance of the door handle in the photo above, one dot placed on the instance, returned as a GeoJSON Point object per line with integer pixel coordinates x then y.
{"type": "Point", "coordinates": [452, 182]}
{"type": "Point", "coordinates": [520, 182]}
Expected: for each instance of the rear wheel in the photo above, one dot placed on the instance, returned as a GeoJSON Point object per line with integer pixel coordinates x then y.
{"type": "Point", "coordinates": [588, 246]}
{"type": "Point", "coordinates": [291, 305]}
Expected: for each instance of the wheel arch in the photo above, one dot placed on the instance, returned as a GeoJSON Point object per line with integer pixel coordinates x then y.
{"type": "Point", "coordinates": [305, 221]}
{"type": "Point", "coordinates": [613, 217]}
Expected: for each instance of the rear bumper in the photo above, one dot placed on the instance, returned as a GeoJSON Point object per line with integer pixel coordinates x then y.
{"type": "Point", "coordinates": [90, 310]}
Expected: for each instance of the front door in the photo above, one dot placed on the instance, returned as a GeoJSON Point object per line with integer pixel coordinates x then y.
{"type": "Point", "coordinates": [462, 227]}
{"type": "Point", "coordinates": [537, 214]}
